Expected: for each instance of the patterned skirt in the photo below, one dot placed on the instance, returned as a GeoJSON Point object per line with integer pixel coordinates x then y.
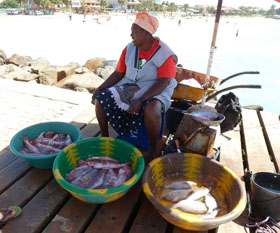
{"type": "Point", "coordinates": [123, 122]}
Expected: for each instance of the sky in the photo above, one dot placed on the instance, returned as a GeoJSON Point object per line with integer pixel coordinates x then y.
{"type": "Point", "coordinates": [265, 4]}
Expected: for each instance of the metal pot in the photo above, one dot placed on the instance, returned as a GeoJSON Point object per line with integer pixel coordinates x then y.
{"type": "Point", "coordinates": [265, 189]}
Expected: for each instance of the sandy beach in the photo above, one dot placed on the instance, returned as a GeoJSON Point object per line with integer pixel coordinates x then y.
{"type": "Point", "coordinates": [61, 41]}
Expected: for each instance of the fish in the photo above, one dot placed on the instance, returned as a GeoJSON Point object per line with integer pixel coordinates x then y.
{"type": "Point", "coordinates": [86, 180]}
{"type": "Point", "coordinates": [177, 195]}
{"type": "Point", "coordinates": [198, 193]}
{"type": "Point", "coordinates": [180, 185]}
{"type": "Point", "coordinates": [102, 158]}
{"type": "Point", "coordinates": [110, 178]}
{"type": "Point", "coordinates": [77, 172]}
{"type": "Point", "coordinates": [46, 149]}
{"type": "Point", "coordinates": [45, 144]}
{"type": "Point", "coordinates": [191, 206]}
{"type": "Point", "coordinates": [212, 206]}
{"type": "Point", "coordinates": [123, 175]}
{"type": "Point", "coordinates": [29, 146]}
{"type": "Point", "coordinates": [106, 164]}
{"type": "Point", "coordinates": [98, 179]}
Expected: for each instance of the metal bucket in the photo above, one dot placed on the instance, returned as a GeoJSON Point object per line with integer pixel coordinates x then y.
{"type": "Point", "coordinates": [265, 188]}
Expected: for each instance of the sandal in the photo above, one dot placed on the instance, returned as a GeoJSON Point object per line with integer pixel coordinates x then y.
{"type": "Point", "coordinates": [9, 213]}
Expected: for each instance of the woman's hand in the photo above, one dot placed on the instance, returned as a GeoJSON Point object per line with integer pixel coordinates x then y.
{"type": "Point", "coordinates": [134, 107]}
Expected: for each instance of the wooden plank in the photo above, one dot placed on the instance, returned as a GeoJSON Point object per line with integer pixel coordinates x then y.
{"type": "Point", "coordinates": [85, 117]}
{"type": "Point", "coordinates": [26, 187]}
{"type": "Point", "coordinates": [114, 216]}
{"type": "Point", "coordinates": [258, 156]}
{"type": "Point", "coordinates": [91, 130]}
{"type": "Point", "coordinates": [73, 217]}
{"type": "Point", "coordinates": [180, 230]}
{"type": "Point", "coordinates": [148, 220]}
{"type": "Point", "coordinates": [230, 154]}
{"type": "Point", "coordinates": [272, 126]}
{"type": "Point", "coordinates": [40, 210]}
{"type": "Point", "coordinates": [6, 157]}
{"type": "Point", "coordinates": [13, 172]}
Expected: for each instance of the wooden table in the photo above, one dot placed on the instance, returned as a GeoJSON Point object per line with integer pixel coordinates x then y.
{"type": "Point", "coordinates": [49, 208]}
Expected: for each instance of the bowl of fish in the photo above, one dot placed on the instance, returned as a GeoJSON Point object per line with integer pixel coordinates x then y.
{"type": "Point", "coordinates": [193, 191]}
{"type": "Point", "coordinates": [40, 143]}
{"type": "Point", "coordinates": [98, 170]}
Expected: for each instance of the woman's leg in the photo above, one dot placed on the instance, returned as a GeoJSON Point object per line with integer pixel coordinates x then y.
{"type": "Point", "coordinates": [102, 119]}
{"type": "Point", "coordinates": [152, 118]}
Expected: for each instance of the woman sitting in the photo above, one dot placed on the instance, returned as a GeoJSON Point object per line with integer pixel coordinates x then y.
{"type": "Point", "coordinates": [141, 86]}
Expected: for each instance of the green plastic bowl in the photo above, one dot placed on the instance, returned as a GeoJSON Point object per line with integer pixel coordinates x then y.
{"type": "Point", "coordinates": [103, 146]}
{"type": "Point", "coordinates": [44, 161]}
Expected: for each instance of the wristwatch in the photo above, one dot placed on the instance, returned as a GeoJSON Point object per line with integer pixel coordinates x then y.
{"type": "Point", "coordinates": [142, 100]}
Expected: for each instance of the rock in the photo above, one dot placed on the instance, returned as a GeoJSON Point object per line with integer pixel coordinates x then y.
{"type": "Point", "coordinates": [89, 81]}
{"type": "Point", "coordinates": [21, 75]}
{"type": "Point", "coordinates": [81, 70]}
{"type": "Point", "coordinates": [20, 61]}
{"type": "Point", "coordinates": [5, 69]}
{"type": "Point", "coordinates": [105, 72]}
{"type": "Point", "coordinates": [3, 57]}
{"type": "Point", "coordinates": [64, 71]}
{"type": "Point", "coordinates": [112, 63]}
{"type": "Point", "coordinates": [81, 89]}
{"type": "Point", "coordinates": [48, 76]}
{"type": "Point", "coordinates": [39, 64]}
{"type": "Point", "coordinates": [93, 63]}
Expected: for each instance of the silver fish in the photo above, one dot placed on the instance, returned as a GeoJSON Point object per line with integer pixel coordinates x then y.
{"type": "Point", "coordinates": [212, 206]}
{"type": "Point", "coordinates": [198, 193]}
{"type": "Point", "coordinates": [176, 195]}
{"type": "Point", "coordinates": [179, 185]}
{"type": "Point", "coordinates": [191, 206]}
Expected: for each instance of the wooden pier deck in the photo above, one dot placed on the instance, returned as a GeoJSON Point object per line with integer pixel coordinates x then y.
{"type": "Point", "coordinates": [253, 145]}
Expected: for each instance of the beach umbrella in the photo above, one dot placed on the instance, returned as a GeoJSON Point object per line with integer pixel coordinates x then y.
{"type": "Point", "coordinates": [277, 0]}
{"type": "Point", "coordinates": [212, 48]}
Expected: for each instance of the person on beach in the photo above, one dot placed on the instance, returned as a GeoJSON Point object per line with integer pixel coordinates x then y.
{"type": "Point", "coordinates": [139, 90]}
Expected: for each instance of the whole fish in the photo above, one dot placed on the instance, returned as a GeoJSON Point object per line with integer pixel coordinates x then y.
{"type": "Point", "coordinates": [86, 180]}
{"type": "Point", "coordinates": [102, 158]}
{"type": "Point", "coordinates": [77, 172]}
{"type": "Point", "coordinates": [49, 134]}
{"type": "Point", "coordinates": [212, 206]}
{"type": "Point", "coordinates": [198, 193]}
{"type": "Point", "coordinates": [29, 146]}
{"type": "Point", "coordinates": [180, 185]}
{"type": "Point", "coordinates": [176, 195]}
{"type": "Point", "coordinates": [106, 164]}
{"type": "Point", "coordinates": [60, 137]}
{"type": "Point", "coordinates": [46, 149]}
{"type": "Point", "coordinates": [191, 206]}
{"type": "Point", "coordinates": [124, 174]}
{"type": "Point", "coordinates": [98, 179]}
{"type": "Point", "coordinates": [110, 178]}
{"type": "Point", "coordinates": [47, 141]}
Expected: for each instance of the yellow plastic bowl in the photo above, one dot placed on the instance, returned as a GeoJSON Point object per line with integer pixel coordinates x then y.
{"type": "Point", "coordinates": [224, 185]}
